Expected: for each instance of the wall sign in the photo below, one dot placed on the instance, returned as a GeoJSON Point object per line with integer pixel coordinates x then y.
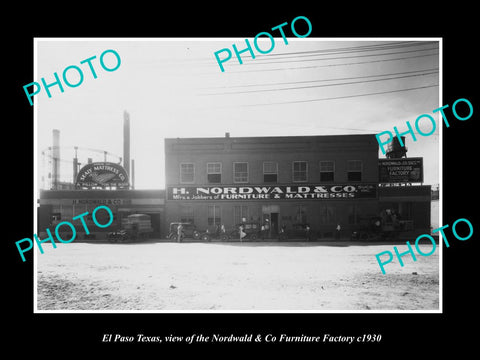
{"type": "Point", "coordinates": [261, 192]}
{"type": "Point", "coordinates": [400, 170]}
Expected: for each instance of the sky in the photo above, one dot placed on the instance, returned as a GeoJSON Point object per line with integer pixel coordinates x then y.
{"type": "Point", "coordinates": [174, 88]}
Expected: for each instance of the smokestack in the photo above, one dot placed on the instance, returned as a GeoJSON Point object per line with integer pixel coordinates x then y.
{"type": "Point", "coordinates": [56, 159]}
{"type": "Point", "coordinates": [126, 142]}
{"type": "Point", "coordinates": [132, 178]}
{"type": "Point", "coordinates": [75, 165]}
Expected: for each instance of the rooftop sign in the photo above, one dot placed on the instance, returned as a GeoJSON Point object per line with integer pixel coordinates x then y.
{"type": "Point", "coordinates": [102, 175]}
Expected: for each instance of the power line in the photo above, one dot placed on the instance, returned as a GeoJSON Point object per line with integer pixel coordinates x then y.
{"type": "Point", "coordinates": [353, 49]}
{"type": "Point", "coordinates": [340, 97]}
{"type": "Point", "coordinates": [322, 80]}
{"type": "Point", "coordinates": [323, 85]}
{"type": "Point", "coordinates": [267, 61]}
{"type": "Point", "coordinates": [329, 65]}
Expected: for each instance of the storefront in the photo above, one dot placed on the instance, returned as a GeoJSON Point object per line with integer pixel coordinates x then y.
{"type": "Point", "coordinates": [63, 205]}
{"type": "Point", "coordinates": [322, 207]}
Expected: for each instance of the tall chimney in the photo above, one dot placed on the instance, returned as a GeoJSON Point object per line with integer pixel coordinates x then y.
{"type": "Point", "coordinates": [126, 142]}
{"type": "Point", "coordinates": [75, 165]}
{"type": "Point", "coordinates": [132, 177]}
{"type": "Point", "coordinates": [56, 159]}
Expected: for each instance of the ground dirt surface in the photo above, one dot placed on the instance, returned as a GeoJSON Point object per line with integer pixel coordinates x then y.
{"type": "Point", "coordinates": [269, 276]}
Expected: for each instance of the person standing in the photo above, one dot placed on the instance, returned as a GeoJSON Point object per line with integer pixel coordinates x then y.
{"type": "Point", "coordinates": [267, 229]}
{"type": "Point", "coordinates": [337, 232]}
{"type": "Point", "coordinates": [241, 233]}
{"type": "Point", "coordinates": [179, 232]}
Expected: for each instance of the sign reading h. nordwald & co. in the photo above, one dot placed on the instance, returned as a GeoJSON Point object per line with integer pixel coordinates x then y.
{"type": "Point", "coordinates": [262, 192]}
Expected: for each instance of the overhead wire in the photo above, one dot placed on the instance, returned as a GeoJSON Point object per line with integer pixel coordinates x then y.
{"type": "Point", "coordinates": [353, 49]}
{"type": "Point", "coordinates": [322, 80]}
{"type": "Point", "coordinates": [340, 97]}
{"type": "Point", "coordinates": [322, 85]}
{"type": "Point", "coordinates": [332, 65]}
{"type": "Point", "coordinates": [260, 62]}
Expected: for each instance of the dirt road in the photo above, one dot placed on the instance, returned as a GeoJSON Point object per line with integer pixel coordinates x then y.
{"type": "Point", "coordinates": [233, 276]}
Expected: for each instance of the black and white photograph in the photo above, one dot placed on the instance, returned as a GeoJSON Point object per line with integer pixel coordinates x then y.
{"type": "Point", "coordinates": [257, 185]}
{"type": "Point", "coordinates": [218, 178]}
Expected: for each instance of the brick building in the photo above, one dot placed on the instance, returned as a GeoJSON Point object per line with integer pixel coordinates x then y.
{"type": "Point", "coordinates": [319, 180]}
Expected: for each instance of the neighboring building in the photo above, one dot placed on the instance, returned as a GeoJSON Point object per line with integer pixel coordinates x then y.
{"type": "Point", "coordinates": [63, 205]}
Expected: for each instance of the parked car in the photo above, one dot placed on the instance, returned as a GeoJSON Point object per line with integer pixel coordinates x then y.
{"type": "Point", "coordinates": [134, 227]}
{"type": "Point", "coordinates": [189, 230]}
{"type": "Point", "coordinates": [251, 229]}
{"type": "Point", "coordinates": [213, 232]}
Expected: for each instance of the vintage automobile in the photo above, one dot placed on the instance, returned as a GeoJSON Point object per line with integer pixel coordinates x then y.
{"type": "Point", "coordinates": [252, 232]}
{"type": "Point", "coordinates": [189, 230]}
{"type": "Point", "coordinates": [212, 232]}
{"type": "Point", "coordinates": [381, 228]}
{"type": "Point", "coordinates": [134, 227]}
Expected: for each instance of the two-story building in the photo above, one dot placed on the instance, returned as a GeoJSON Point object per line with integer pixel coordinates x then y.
{"type": "Point", "coordinates": [322, 181]}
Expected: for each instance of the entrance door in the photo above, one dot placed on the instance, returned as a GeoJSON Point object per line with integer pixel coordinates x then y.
{"type": "Point", "coordinates": [274, 224]}
{"type": "Point", "coordinates": [271, 212]}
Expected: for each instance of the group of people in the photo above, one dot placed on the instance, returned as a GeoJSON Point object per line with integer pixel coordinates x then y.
{"type": "Point", "coordinates": [264, 230]}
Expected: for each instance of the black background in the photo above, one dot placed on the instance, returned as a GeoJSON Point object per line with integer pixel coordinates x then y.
{"type": "Point", "coordinates": [404, 335]}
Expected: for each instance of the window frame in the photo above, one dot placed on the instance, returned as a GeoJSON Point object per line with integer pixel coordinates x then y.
{"type": "Point", "coordinates": [270, 173]}
{"type": "Point", "coordinates": [327, 172]}
{"type": "Point", "coordinates": [193, 173]}
{"type": "Point", "coordinates": [354, 171]}
{"type": "Point", "coordinates": [217, 214]}
{"type": "Point", "coordinates": [293, 171]}
{"type": "Point", "coordinates": [214, 173]}
{"type": "Point", "coordinates": [235, 181]}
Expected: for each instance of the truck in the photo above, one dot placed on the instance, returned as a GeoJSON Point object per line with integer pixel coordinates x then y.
{"type": "Point", "coordinates": [381, 228]}
{"type": "Point", "coordinates": [136, 227]}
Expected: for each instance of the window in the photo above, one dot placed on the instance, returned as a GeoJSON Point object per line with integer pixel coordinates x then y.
{"type": "Point", "coordinates": [301, 215]}
{"type": "Point", "coordinates": [270, 172]}
{"type": "Point", "coordinates": [239, 213]}
{"type": "Point", "coordinates": [214, 215]}
{"type": "Point", "coordinates": [186, 173]}
{"type": "Point", "coordinates": [300, 169]}
{"type": "Point", "coordinates": [214, 173]}
{"type": "Point", "coordinates": [354, 170]}
{"type": "Point", "coordinates": [352, 214]}
{"type": "Point", "coordinates": [186, 214]}
{"type": "Point", "coordinates": [240, 172]}
{"type": "Point", "coordinates": [327, 170]}
{"type": "Point", "coordinates": [327, 215]}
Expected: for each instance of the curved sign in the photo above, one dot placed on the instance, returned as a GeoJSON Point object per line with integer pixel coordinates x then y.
{"type": "Point", "coordinates": [102, 174]}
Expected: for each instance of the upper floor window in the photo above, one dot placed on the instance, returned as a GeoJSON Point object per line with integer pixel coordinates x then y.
{"type": "Point", "coordinates": [327, 170]}
{"type": "Point", "coordinates": [214, 173]}
{"type": "Point", "coordinates": [270, 171]}
{"type": "Point", "coordinates": [300, 171]}
{"type": "Point", "coordinates": [354, 170]}
{"type": "Point", "coordinates": [187, 172]}
{"type": "Point", "coordinates": [240, 172]}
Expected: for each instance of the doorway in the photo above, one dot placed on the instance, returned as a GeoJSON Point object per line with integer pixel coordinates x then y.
{"type": "Point", "coordinates": [274, 224]}
{"type": "Point", "coordinates": [270, 215]}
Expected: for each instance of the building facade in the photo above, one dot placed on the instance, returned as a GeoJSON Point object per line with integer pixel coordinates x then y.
{"type": "Point", "coordinates": [63, 205]}
{"type": "Point", "coordinates": [322, 181]}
